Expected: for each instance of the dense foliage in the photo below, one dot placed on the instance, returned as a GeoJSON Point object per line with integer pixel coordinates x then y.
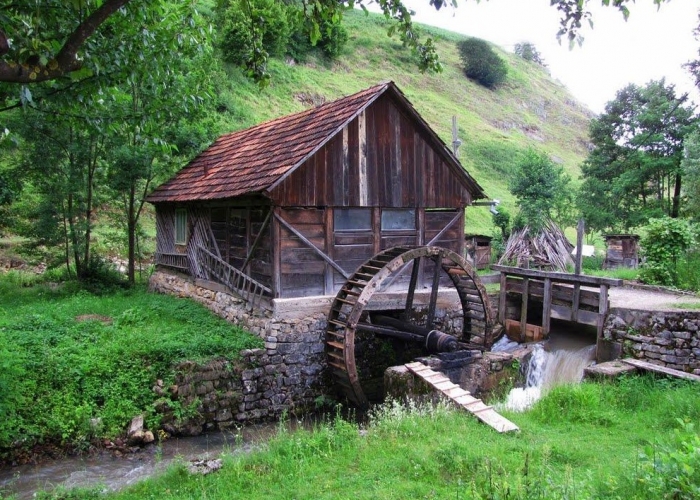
{"type": "Point", "coordinates": [481, 63]}
{"type": "Point", "coordinates": [664, 245]}
{"type": "Point", "coordinates": [74, 366]}
{"type": "Point", "coordinates": [634, 171]}
{"type": "Point", "coordinates": [542, 191]}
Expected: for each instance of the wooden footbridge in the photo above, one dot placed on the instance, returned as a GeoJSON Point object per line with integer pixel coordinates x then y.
{"type": "Point", "coordinates": [570, 297]}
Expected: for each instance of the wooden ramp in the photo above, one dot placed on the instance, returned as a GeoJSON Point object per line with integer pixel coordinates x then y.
{"type": "Point", "coordinates": [462, 398]}
{"type": "Point", "coordinates": [645, 365]}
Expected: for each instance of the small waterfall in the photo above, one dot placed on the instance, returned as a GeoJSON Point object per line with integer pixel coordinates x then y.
{"type": "Point", "coordinates": [546, 370]}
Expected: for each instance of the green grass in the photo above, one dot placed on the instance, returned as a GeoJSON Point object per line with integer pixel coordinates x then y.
{"type": "Point", "coordinates": [67, 356]}
{"type": "Point", "coordinates": [530, 109]}
{"type": "Point", "coordinates": [630, 439]}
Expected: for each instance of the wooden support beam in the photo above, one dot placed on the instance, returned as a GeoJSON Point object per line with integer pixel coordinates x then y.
{"type": "Point", "coordinates": [546, 306]}
{"type": "Point", "coordinates": [602, 310]}
{"type": "Point", "coordinates": [557, 276]}
{"type": "Point", "coordinates": [502, 300]}
{"type": "Point", "coordinates": [523, 308]}
{"type": "Point", "coordinates": [257, 240]}
{"type": "Point", "coordinates": [433, 293]}
{"type": "Point", "coordinates": [313, 247]}
{"type": "Point", "coordinates": [412, 288]}
{"type": "Point", "coordinates": [575, 302]}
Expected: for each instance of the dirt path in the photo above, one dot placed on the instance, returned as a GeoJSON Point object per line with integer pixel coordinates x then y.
{"type": "Point", "coordinates": [651, 300]}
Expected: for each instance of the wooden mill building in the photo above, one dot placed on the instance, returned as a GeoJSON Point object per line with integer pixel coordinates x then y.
{"type": "Point", "coordinates": [291, 207]}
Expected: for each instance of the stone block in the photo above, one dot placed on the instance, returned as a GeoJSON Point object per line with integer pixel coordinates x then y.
{"type": "Point", "coordinates": [249, 386]}
{"type": "Point", "coordinates": [223, 414]}
{"type": "Point", "coordinates": [294, 358]}
{"type": "Point", "coordinates": [682, 335]}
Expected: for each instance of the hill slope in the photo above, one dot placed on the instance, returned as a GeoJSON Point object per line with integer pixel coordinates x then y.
{"type": "Point", "coordinates": [495, 127]}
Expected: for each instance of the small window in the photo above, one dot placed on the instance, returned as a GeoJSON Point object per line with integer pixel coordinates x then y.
{"type": "Point", "coordinates": [181, 227]}
{"type": "Point", "coordinates": [398, 220]}
{"type": "Point", "coordinates": [352, 219]}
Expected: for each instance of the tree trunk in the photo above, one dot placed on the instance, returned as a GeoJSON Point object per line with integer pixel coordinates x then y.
{"type": "Point", "coordinates": [131, 229]}
{"type": "Point", "coordinates": [676, 197]}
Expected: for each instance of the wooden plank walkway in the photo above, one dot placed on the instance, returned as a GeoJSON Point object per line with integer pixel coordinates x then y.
{"type": "Point", "coordinates": [645, 365]}
{"type": "Point", "coordinates": [462, 398]}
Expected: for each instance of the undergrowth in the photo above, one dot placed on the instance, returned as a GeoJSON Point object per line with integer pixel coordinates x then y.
{"type": "Point", "coordinates": [75, 366]}
{"type": "Point", "coordinates": [631, 439]}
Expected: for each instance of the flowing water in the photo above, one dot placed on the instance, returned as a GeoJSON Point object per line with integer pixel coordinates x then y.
{"type": "Point", "coordinates": [110, 472]}
{"type": "Point", "coordinates": [561, 360]}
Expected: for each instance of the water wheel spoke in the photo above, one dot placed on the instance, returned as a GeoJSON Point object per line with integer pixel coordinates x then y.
{"type": "Point", "coordinates": [351, 307]}
{"type": "Point", "coordinates": [430, 320]}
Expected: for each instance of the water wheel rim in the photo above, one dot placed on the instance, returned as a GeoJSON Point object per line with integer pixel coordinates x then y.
{"type": "Point", "coordinates": [365, 282]}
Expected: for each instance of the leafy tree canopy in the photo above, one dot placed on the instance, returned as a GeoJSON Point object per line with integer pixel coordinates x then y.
{"type": "Point", "coordinates": [633, 173]}
{"type": "Point", "coordinates": [529, 52]}
{"type": "Point", "coordinates": [49, 39]}
{"type": "Point", "coordinates": [542, 191]}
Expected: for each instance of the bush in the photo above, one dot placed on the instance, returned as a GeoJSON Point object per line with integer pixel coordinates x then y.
{"type": "Point", "coordinates": [664, 245]}
{"type": "Point", "coordinates": [481, 63]}
{"type": "Point", "coordinates": [264, 27]}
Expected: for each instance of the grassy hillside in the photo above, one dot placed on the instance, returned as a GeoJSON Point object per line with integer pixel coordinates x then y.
{"type": "Point", "coordinates": [530, 109]}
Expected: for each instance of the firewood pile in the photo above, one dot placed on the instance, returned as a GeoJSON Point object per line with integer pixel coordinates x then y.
{"type": "Point", "coordinates": [547, 249]}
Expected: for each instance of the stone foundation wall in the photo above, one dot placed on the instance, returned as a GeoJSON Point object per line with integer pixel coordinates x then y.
{"type": "Point", "coordinates": [288, 375]}
{"type": "Point", "coordinates": [670, 339]}
{"type": "Point", "coordinates": [285, 376]}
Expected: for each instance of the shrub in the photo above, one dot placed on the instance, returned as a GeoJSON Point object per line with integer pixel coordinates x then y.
{"type": "Point", "coordinates": [260, 25]}
{"type": "Point", "coordinates": [481, 63]}
{"type": "Point", "coordinates": [663, 246]}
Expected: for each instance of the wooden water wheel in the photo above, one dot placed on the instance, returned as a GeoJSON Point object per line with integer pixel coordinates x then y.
{"type": "Point", "coordinates": [349, 312]}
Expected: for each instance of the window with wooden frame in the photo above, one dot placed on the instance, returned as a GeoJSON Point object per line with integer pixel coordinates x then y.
{"type": "Point", "coordinates": [181, 226]}
{"type": "Point", "coordinates": [398, 219]}
{"type": "Point", "coordinates": [352, 219]}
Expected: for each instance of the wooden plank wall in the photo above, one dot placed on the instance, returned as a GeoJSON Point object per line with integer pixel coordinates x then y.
{"type": "Point", "coordinates": [235, 229]}
{"type": "Point", "coordinates": [165, 229]}
{"type": "Point", "coordinates": [380, 158]}
{"type": "Point", "coordinates": [302, 271]}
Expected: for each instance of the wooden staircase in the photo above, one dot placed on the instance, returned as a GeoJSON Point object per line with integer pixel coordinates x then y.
{"type": "Point", "coordinates": [462, 398]}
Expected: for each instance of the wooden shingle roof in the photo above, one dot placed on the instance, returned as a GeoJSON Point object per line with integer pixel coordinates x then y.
{"type": "Point", "coordinates": [252, 160]}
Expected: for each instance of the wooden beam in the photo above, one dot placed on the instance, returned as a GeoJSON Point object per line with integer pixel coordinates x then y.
{"type": "Point", "coordinates": [444, 229]}
{"type": "Point", "coordinates": [412, 288]}
{"type": "Point", "coordinates": [645, 365]}
{"type": "Point", "coordinates": [579, 246]}
{"type": "Point", "coordinates": [276, 255]}
{"type": "Point", "coordinates": [433, 293]}
{"type": "Point", "coordinates": [557, 276]}
{"type": "Point", "coordinates": [328, 223]}
{"type": "Point", "coordinates": [547, 306]}
{"type": "Point", "coordinates": [523, 308]}
{"type": "Point", "coordinates": [502, 301]}
{"type": "Point", "coordinates": [313, 247]}
{"type": "Point", "coordinates": [258, 238]}
{"type": "Point", "coordinates": [602, 310]}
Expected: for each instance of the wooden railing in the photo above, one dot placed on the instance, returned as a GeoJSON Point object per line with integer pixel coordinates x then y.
{"type": "Point", "coordinates": [253, 292]}
{"type": "Point", "coordinates": [177, 260]}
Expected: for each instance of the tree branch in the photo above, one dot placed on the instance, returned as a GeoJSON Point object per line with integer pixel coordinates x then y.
{"type": "Point", "coordinates": [66, 60]}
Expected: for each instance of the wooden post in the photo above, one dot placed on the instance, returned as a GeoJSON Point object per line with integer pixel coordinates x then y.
{"type": "Point", "coordinates": [603, 306]}
{"type": "Point", "coordinates": [523, 309]}
{"type": "Point", "coordinates": [579, 245]}
{"type": "Point", "coordinates": [546, 306]}
{"type": "Point", "coordinates": [579, 260]}
{"type": "Point", "coordinates": [502, 301]}
{"type": "Point", "coordinates": [276, 245]}
{"type": "Point", "coordinates": [329, 289]}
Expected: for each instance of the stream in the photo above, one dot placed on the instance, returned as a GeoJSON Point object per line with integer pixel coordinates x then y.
{"type": "Point", "coordinates": [110, 472]}
{"type": "Point", "coordinates": [561, 359]}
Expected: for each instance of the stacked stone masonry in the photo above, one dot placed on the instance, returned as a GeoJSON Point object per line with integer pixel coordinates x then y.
{"type": "Point", "coordinates": [284, 377]}
{"type": "Point", "coordinates": [670, 339]}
